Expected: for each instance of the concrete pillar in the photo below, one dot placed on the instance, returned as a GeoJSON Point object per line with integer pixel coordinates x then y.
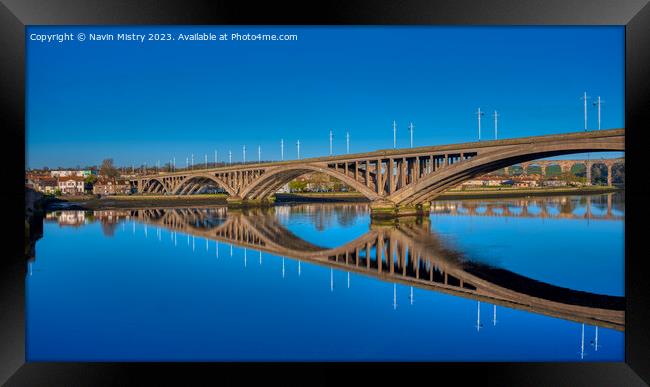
{"type": "Point", "coordinates": [588, 172]}
{"type": "Point", "coordinates": [609, 174]}
{"type": "Point", "coordinates": [379, 178]}
{"type": "Point", "coordinates": [391, 176]}
{"type": "Point", "coordinates": [565, 168]}
{"type": "Point", "coordinates": [367, 173]}
{"type": "Point", "coordinates": [368, 255]}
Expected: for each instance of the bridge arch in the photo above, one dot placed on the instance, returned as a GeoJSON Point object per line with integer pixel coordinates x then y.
{"type": "Point", "coordinates": [152, 184]}
{"type": "Point", "coordinates": [273, 179]}
{"type": "Point", "coordinates": [200, 179]}
{"type": "Point", "coordinates": [435, 183]}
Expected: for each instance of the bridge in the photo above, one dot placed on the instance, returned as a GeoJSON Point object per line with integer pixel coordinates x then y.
{"type": "Point", "coordinates": [567, 165]}
{"type": "Point", "coordinates": [410, 254]}
{"type": "Point", "coordinates": [397, 181]}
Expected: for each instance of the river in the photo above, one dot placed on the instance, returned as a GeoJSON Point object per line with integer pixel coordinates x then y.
{"type": "Point", "coordinates": [526, 279]}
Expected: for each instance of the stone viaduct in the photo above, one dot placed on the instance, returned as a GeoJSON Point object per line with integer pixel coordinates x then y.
{"type": "Point", "coordinates": [567, 165]}
{"type": "Point", "coordinates": [397, 181]}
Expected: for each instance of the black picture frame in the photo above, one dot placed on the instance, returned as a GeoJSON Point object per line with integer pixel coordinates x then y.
{"type": "Point", "coordinates": [15, 15]}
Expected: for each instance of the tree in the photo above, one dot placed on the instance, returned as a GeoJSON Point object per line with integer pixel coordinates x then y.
{"type": "Point", "coordinates": [108, 169]}
{"type": "Point", "coordinates": [297, 186]}
{"type": "Point", "coordinates": [90, 179]}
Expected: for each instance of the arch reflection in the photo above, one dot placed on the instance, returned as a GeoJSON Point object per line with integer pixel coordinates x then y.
{"type": "Point", "coordinates": [410, 254]}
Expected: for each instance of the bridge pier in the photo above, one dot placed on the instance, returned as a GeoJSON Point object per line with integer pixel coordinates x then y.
{"type": "Point", "coordinates": [237, 202]}
{"type": "Point", "coordinates": [384, 209]}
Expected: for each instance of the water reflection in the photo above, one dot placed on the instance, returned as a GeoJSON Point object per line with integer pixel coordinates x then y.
{"type": "Point", "coordinates": [408, 253]}
{"type": "Point", "coordinates": [596, 207]}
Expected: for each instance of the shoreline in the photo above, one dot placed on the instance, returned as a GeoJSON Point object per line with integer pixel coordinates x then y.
{"type": "Point", "coordinates": [137, 201]}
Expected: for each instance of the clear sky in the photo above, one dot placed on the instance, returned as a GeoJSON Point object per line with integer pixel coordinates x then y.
{"type": "Point", "coordinates": [144, 102]}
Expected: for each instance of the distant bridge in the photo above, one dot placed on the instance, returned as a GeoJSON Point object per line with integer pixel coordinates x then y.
{"type": "Point", "coordinates": [566, 165]}
{"type": "Point", "coordinates": [409, 254]}
{"type": "Point", "coordinates": [396, 181]}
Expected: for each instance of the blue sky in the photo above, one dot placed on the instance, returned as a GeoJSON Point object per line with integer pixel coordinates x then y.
{"type": "Point", "coordinates": [147, 102]}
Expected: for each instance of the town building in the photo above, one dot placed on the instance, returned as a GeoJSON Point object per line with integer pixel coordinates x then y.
{"type": "Point", "coordinates": [106, 186]}
{"type": "Point", "coordinates": [73, 172]}
{"type": "Point", "coordinates": [71, 185]}
{"type": "Point", "coordinates": [41, 183]}
{"type": "Point", "coordinates": [486, 181]}
{"type": "Point", "coordinates": [525, 182]}
{"type": "Point", "coordinates": [555, 183]}
{"type": "Point", "coordinates": [46, 185]}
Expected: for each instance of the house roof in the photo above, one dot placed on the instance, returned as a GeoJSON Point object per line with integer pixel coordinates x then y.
{"type": "Point", "coordinates": [68, 178]}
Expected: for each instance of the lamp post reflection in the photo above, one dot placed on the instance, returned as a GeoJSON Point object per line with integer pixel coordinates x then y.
{"type": "Point", "coordinates": [595, 341]}
{"type": "Point", "coordinates": [394, 296]}
{"type": "Point", "coordinates": [582, 342]}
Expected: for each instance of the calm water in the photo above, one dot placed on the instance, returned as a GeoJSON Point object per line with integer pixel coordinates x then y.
{"type": "Point", "coordinates": [538, 279]}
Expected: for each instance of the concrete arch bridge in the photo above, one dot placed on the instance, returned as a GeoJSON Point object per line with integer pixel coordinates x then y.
{"type": "Point", "coordinates": [396, 181]}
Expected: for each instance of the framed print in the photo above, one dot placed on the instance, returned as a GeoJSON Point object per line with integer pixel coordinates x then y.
{"type": "Point", "coordinates": [383, 190]}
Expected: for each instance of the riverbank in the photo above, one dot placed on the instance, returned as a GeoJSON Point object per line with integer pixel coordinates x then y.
{"type": "Point", "coordinates": [453, 195]}
{"type": "Point", "coordinates": [322, 197]}
{"type": "Point", "coordinates": [90, 202]}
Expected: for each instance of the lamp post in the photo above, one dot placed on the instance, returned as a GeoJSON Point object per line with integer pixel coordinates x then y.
{"type": "Point", "coordinates": [585, 98]}
{"type": "Point", "coordinates": [347, 142]}
{"type": "Point", "coordinates": [331, 135]}
{"type": "Point", "coordinates": [479, 114]}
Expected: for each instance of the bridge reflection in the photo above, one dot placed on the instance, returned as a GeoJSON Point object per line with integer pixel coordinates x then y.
{"type": "Point", "coordinates": [409, 254]}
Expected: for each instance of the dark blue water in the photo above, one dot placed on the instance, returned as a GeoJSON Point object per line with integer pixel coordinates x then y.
{"type": "Point", "coordinates": [112, 286]}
